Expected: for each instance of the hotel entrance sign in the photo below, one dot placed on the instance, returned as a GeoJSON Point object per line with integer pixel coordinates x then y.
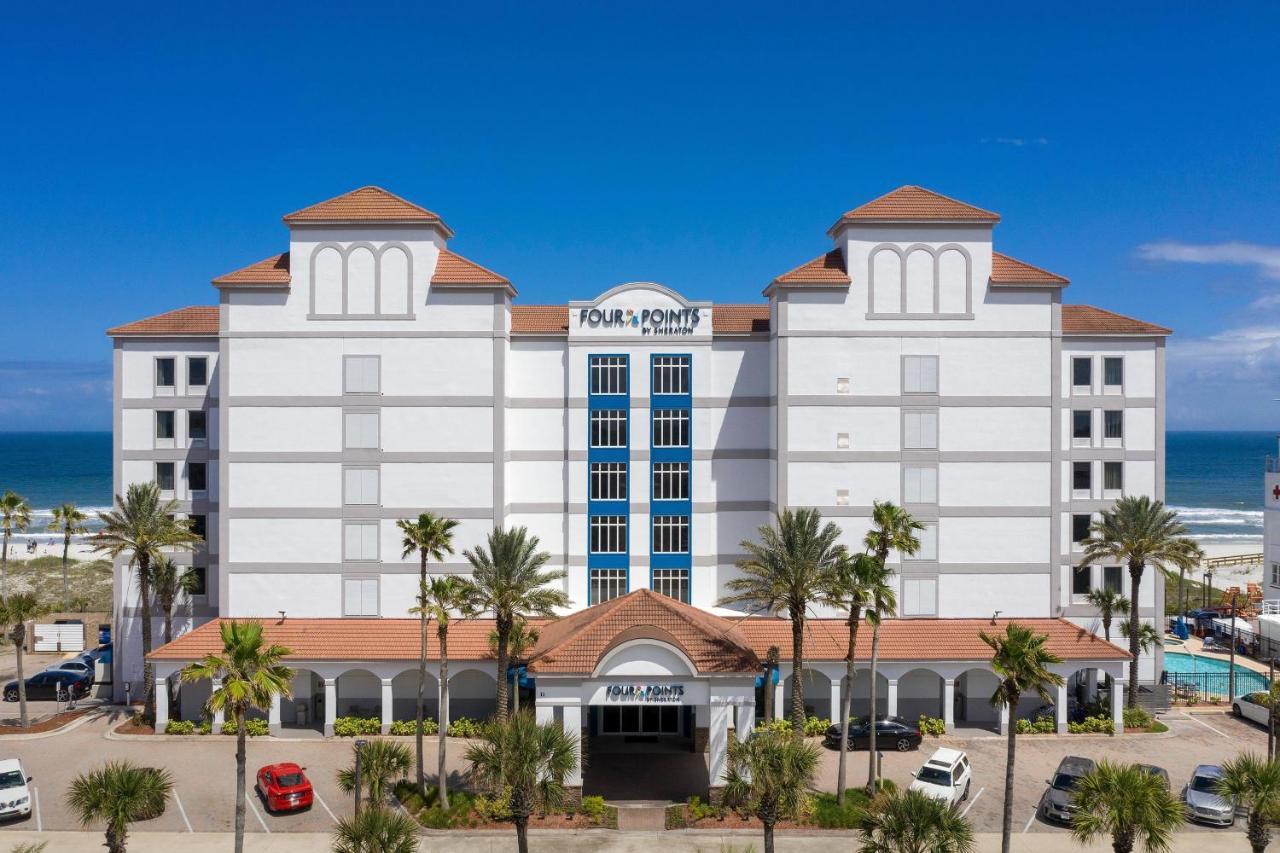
{"type": "Point", "coordinates": [648, 321]}
{"type": "Point", "coordinates": [640, 310]}
{"type": "Point", "coordinates": [648, 693]}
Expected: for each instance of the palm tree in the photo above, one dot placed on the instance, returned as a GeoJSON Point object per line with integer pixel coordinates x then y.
{"type": "Point", "coordinates": [1108, 603]}
{"type": "Point", "coordinates": [440, 599]}
{"type": "Point", "coordinates": [911, 822]}
{"type": "Point", "coordinates": [168, 581]}
{"type": "Point", "coordinates": [431, 537]}
{"type": "Point", "coordinates": [531, 760]}
{"type": "Point", "coordinates": [251, 676]}
{"type": "Point", "coordinates": [1253, 782]}
{"type": "Point", "coordinates": [1128, 803]}
{"type": "Point", "coordinates": [1148, 636]}
{"type": "Point", "coordinates": [856, 582]}
{"type": "Point", "coordinates": [15, 612]}
{"type": "Point", "coordinates": [15, 517]}
{"type": "Point", "coordinates": [1021, 663]}
{"type": "Point", "coordinates": [511, 584]}
{"type": "Point", "coordinates": [523, 638]}
{"type": "Point", "coordinates": [892, 529]}
{"type": "Point", "coordinates": [769, 775]}
{"type": "Point", "coordinates": [69, 521]}
{"type": "Point", "coordinates": [141, 525]}
{"type": "Point", "coordinates": [785, 574]}
{"type": "Point", "coordinates": [381, 762]}
{"type": "Point", "coordinates": [376, 831]}
{"type": "Point", "coordinates": [1139, 532]}
{"type": "Point", "coordinates": [118, 794]}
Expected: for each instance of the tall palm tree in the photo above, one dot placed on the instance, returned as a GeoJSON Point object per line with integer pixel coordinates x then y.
{"type": "Point", "coordinates": [168, 581]}
{"type": "Point", "coordinates": [1253, 782]}
{"type": "Point", "coordinates": [252, 676]}
{"type": "Point", "coordinates": [376, 831]}
{"type": "Point", "coordinates": [912, 822]}
{"type": "Point", "coordinates": [431, 537]}
{"type": "Point", "coordinates": [892, 529]}
{"type": "Point", "coordinates": [381, 763]}
{"type": "Point", "coordinates": [119, 793]}
{"type": "Point", "coordinates": [769, 775]}
{"type": "Point", "coordinates": [785, 573]}
{"type": "Point", "coordinates": [15, 612]}
{"type": "Point", "coordinates": [523, 638]}
{"type": "Point", "coordinates": [1138, 532]}
{"type": "Point", "coordinates": [1127, 803]}
{"type": "Point", "coordinates": [15, 517]}
{"type": "Point", "coordinates": [531, 760]}
{"type": "Point", "coordinates": [1021, 663]}
{"type": "Point", "coordinates": [1148, 636]}
{"type": "Point", "coordinates": [439, 599]}
{"type": "Point", "coordinates": [1108, 603]}
{"type": "Point", "coordinates": [511, 584]}
{"type": "Point", "coordinates": [69, 521]}
{"type": "Point", "coordinates": [856, 581]}
{"type": "Point", "coordinates": [141, 525]}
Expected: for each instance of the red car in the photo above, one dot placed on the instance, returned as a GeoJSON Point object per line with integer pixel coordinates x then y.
{"type": "Point", "coordinates": [284, 787]}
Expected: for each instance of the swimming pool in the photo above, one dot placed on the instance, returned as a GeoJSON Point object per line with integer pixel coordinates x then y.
{"type": "Point", "coordinates": [1187, 665]}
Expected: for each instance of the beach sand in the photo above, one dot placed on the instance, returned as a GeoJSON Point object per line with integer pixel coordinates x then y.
{"type": "Point", "coordinates": [79, 550]}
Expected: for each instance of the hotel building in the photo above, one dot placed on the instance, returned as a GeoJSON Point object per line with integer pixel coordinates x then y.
{"type": "Point", "coordinates": [370, 373]}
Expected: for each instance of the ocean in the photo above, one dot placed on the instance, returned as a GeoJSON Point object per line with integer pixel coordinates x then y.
{"type": "Point", "coordinates": [1213, 479]}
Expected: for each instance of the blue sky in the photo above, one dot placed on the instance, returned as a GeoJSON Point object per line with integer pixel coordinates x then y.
{"type": "Point", "coordinates": [1134, 148]}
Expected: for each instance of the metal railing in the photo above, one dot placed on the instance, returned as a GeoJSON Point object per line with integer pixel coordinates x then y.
{"type": "Point", "coordinates": [1233, 560]}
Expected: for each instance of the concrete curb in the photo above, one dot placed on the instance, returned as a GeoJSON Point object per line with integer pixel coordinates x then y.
{"type": "Point", "coordinates": [112, 734]}
{"type": "Point", "coordinates": [91, 714]}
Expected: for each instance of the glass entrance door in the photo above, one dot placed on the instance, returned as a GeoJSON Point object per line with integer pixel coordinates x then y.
{"type": "Point", "coordinates": [640, 720]}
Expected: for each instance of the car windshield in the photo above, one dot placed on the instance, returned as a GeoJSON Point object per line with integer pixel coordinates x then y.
{"type": "Point", "coordinates": [1207, 784]}
{"type": "Point", "coordinates": [1065, 782]}
{"type": "Point", "coordinates": [934, 775]}
{"type": "Point", "coordinates": [287, 780]}
{"type": "Point", "coordinates": [11, 779]}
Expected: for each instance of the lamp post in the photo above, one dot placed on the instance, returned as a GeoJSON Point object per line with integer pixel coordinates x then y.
{"type": "Point", "coordinates": [359, 747]}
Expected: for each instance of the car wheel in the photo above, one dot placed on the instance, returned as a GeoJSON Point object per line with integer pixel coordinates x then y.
{"type": "Point", "coordinates": [903, 744]}
{"type": "Point", "coordinates": [11, 696]}
{"type": "Point", "coordinates": [1235, 709]}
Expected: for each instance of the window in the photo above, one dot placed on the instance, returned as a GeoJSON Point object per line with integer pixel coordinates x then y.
{"type": "Point", "coordinates": [361, 374]}
{"type": "Point", "coordinates": [842, 385]}
{"type": "Point", "coordinates": [360, 540]}
{"type": "Point", "coordinates": [1113, 371]}
{"type": "Point", "coordinates": [164, 425]}
{"type": "Point", "coordinates": [673, 583]}
{"type": "Point", "coordinates": [197, 372]}
{"type": "Point", "coordinates": [842, 441]}
{"type": "Point", "coordinates": [164, 476]}
{"type": "Point", "coordinates": [609, 428]}
{"type": "Point", "coordinates": [920, 374]}
{"type": "Point", "coordinates": [670, 427]}
{"type": "Point", "coordinates": [1081, 580]}
{"type": "Point", "coordinates": [608, 534]}
{"type": "Point", "coordinates": [164, 373]}
{"type": "Point", "coordinates": [607, 584]}
{"type": "Point", "coordinates": [361, 430]}
{"type": "Point", "coordinates": [608, 481]}
{"type": "Point", "coordinates": [1113, 424]}
{"type": "Point", "coordinates": [197, 425]}
{"type": "Point", "coordinates": [200, 579]}
{"type": "Point", "coordinates": [199, 525]}
{"type": "Point", "coordinates": [670, 374]}
{"type": "Point", "coordinates": [360, 486]}
{"type": "Point", "coordinates": [608, 374]}
{"type": "Point", "coordinates": [1080, 524]}
{"type": "Point", "coordinates": [919, 597]}
{"type": "Point", "coordinates": [1082, 372]}
{"type": "Point", "coordinates": [671, 481]}
{"type": "Point", "coordinates": [359, 596]}
{"type": "Point", "coordinates": [1112, 578]}
{"type": "Point", "coordinates": [1082, 424]}
{"type": "Point", "coordinates": [842, 497]}
{"type": "Point", "coordinates": [919, 484]}
{"type": "Point", "coordinates": [928, 544]}
{"type": "Point", "coordinates": [1082, 476]}
{"type": "Point", "coordinates": [1113, 476]}
{"type": "Point", "coordinates": [1275, 574]}
{"type": "Point", "coordinates": [671, 534]}
{"type": "Point", "coordinates": [197, 476]}
{"type": "Point", "coordinates": [920, 430]}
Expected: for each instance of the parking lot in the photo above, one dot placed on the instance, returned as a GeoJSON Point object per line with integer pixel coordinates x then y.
{"type": "Point", "coordinates": [203, 770]}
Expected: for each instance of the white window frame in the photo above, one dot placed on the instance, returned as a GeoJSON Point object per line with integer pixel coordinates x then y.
{"type": "Point", "coordinates": [919, 483]}
{"type": "Point", "coordinates": [362, 374]}
{"type": "Point", "coordinates": [357, 537]}
{"type": "Point", "coordinates": [1081, 389]}
{"type": "Point", "coordinates": [191, 486]}
{"type": "Point", "coordinates": [355, 425]}
{"type": "Point", "coordinates": [361, 485]}
{"type": "Point", "coordinates": [1085, 440]}
{"type": "Point", "coordinates": [1081, 494]}
{"type": "Point", "coordinates": [607, 372]}
{"type": "Point", "coordinates": [670, 534]}
{"type": "Point", "coordinates": [615, 580]}
{"type": "Point", "coordinates": [665, 581]}
{"type": "Point", "coordinates": [191, 360]}
{"type": "Point", "coordinates": [919, 374]}
{"type": "Point", "coordinates": [920, 429]}
{"type": "Point", "coordinates": [608, 423]}
{"type": "Point", "coordinates": [667, 426]}
{"type": "Point", "coordinates": [1109, 492]}
{"type": "Point", "coordinates": [171, 440]}
{"type": "Point", "coordinates": [928, 551]}
{"type": "Point", "coordinates": [1112, 389]}
{"type": "Point", "coordinates": [919, 596]}
{"type": "Point", "coordinates": [367, 589]}
{"type": "Point", "coordinates": [1112, 440]}
{"type": "Point", "coordinates": [670, 481]}
{"type": "Point", "coordinates": [609, 530]}
{"type": "Point", "coordinates": [608, 481]}
{"type": "Point", "coordinates": [173, 477]}
{"type": "Point", "coordinates": [192, 438]}
{"type": "Point", "coordinates": [170, 390]}
{"type": "Point", "coordinates": [671, 374]}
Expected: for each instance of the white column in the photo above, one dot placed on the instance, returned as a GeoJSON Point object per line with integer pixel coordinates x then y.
{"type": "Point", "coordinates": [718, 744]}
{"type": "Point", "coordinates": [834, 716]}
{"type": "Point", "coordinates": [746, 720]}
{"type": "Point", "coordinates": [330, 705]}
{"type": "Point", "coordinates": [779, 695]}
{"type": "Point", "coordinates": [891, 698]}
{"type": "Point", "coordinates": [544, 714]}
{"type": "Point", "coordinates": [1060, 705]}
{"type": "Point", "coordinates": [949, 703]}
{"type": "Point", "coordinates": [1091, 685]}
{"type": "Point", "coordinates": [1004, 719]}
{"type": "Point", "coordinates": [387, 706]}
{"type": "Point", "coordinates": [218, 717]}
{"type": "Point", "coordinates": [162, 703]}
{"type": "Point", "coordinates": [573, 727]}
{"type": "Point", "coordinates": [1117, 704]}
{"type": "Point", "coordinates": [273, 715]}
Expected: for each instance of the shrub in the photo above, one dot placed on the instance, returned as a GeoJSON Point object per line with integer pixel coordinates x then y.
{"type": "Point", "coordinates": [464, 727]}
{"type": "Point", "coordinates": [1040, 726]}
{"type": "Point", "coordinates": [816, 727]}
{"type": "Point", "coordinates": [409, 796]}
{"type": "Point", "coordinates": [204, 727]}
{"type": "Point", "coordinates": [829, 815]}
{"type": "Point", "coordinates": [698, 810]}
{"type": "Point", "coordinates": [593, 808]}
{"type": "Point", "coordinates": [495, 809]}
{"type": "Point", "coordinates": [406, 727]}
{"type": "Point", "coordinates": [932, 726]}
{"type": "Point", "coordinates": [356, 726]}
{"type": "Point", "coordinates": [252, 728]}
{"type": "Point", "coordinates": [1092, 725]}
{"type": "Point", "coordinates": [180, 727]}
{"type": "Point", "coordinates": [461, 810]}
{"type": "Point", "coordinates": [1136, 718]}
{"type": "Point", "coordinates": [778, 726]}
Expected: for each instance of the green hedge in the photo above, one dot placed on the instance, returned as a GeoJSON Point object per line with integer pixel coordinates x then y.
{"type": "Point", "coordinates": [827, 814]}
{"type": "Point", "coordinates": [464, 727]}
{"type": "Point", "coordinates": [180, 727]}
{"type": "Point", "coordinates": [252, 728]}
{"type": "Point", "coordinates": [1136, 718]}
{"type": "Point", "coordinates": [406, 727]}
{"type": "Point", "coordinates": [1092, 725]}
{"type": "Point", "coordinates": [356, 726]}
{"type": "Point", "coordinates": [1041, 726]}
{"type": "Point", "coordinates": [931, 726]}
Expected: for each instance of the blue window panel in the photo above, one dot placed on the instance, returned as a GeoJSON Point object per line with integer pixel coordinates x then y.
{"type": "Point", "coordinates": [670, 561]}
{"type": "Point", "coordinates": [668, 508]}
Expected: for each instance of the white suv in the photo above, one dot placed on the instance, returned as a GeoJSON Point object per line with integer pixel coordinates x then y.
{"type": "Point", "coordinates": [15, 796]}
{"type": "Point", "coordinates": [945, 776]}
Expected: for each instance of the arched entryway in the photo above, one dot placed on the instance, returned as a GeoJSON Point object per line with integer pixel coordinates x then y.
{"type": "Point", "coordinates": [920, 693]}
{"type": "Point", "coordinates": [473, 693]}
{"type": "Point", "coordinates": [862, 693]}
{"type": "Point", "coordinates": [359, 694]}
{"type": "Point", "coordinates": [815, 688]}
{"type": "Point", "coordinates": [404, 696]}
{"type": "Point", "coordinates": [973, 708]}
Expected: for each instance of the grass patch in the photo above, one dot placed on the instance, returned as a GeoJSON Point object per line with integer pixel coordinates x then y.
{"type": "Point", "coordinates": [88, 582]}
{"type": "Point", "coordinates": [1156, 728]}
{"type": "Point", "coordinates": [830, 815]}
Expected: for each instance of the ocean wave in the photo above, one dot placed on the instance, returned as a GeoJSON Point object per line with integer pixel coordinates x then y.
{"type": "Point", "coordinates": [1196, 516]}
{"type": "Point", "coordinates": [1226, 537]}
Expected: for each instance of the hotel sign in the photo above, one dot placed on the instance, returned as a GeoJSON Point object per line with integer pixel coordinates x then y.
{"type": "Point", "coordinates": [640, 310]}
{"type": "Point", "coordinates": [646, 321]}
{"type": "Point", "coordinates": [649, 693]}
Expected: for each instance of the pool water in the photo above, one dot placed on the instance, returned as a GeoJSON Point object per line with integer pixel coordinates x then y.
{"type": "Point", "coordinates": [1181, 662]}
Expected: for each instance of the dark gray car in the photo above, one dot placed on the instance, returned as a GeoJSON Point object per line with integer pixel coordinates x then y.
{"type": "Point", "coordinates": [1057, 803]}
{"type": "Point", "coordinates": [1201, 795]}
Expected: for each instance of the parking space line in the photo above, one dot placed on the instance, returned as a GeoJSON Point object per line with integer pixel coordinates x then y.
{"type": "Point", "coordinates": [323, 804]}
{"type": "Point", "coordinates": [182, 811]}
{"type": "Point", "coordinates": [254, 809]}
{"type": "Point", "coordinates": [35, 800]}
{"type": "Point", "coordinates": [1207, 726]}
{"type": "Point", "coordinates": [1031, 819]}
{"type": "Point", "coordinates": [972, 801]}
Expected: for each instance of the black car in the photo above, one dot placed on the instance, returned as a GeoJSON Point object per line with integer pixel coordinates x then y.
{"type": "Point", "coordinates": [891, 733]}
{"type": "Point", "coordinates": [52, 684]}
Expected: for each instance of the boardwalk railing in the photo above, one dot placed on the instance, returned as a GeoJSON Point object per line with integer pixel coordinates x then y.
{"type": "Point", "coordinates": [1233, 560]}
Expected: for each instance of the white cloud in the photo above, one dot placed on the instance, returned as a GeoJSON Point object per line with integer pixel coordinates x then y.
{"type": "Point", "coordinates": [1265, 258]}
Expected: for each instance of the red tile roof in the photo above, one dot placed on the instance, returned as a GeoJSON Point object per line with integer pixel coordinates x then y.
{"type": "Point", "coordinates": [268, 272]}
{"type": "Point", "coordinates": [195, 321]}
{"type": "Point", "coordinates": [453, 270]}
{"type": "Point", "coordinates": [367, 204]}
{"type": "Point", "coordinates": [739, 319]}
{"type": "Point", "coordinates": [823, 271]}
{"type": "Point", "coordinates": [1088, 320]}
{"type": "Point", "coordinates": [1007, 270]}
{"type": "Point", "coordinates": [916, 204]}
{"type": "Point", "coordinates": [540, 319]}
